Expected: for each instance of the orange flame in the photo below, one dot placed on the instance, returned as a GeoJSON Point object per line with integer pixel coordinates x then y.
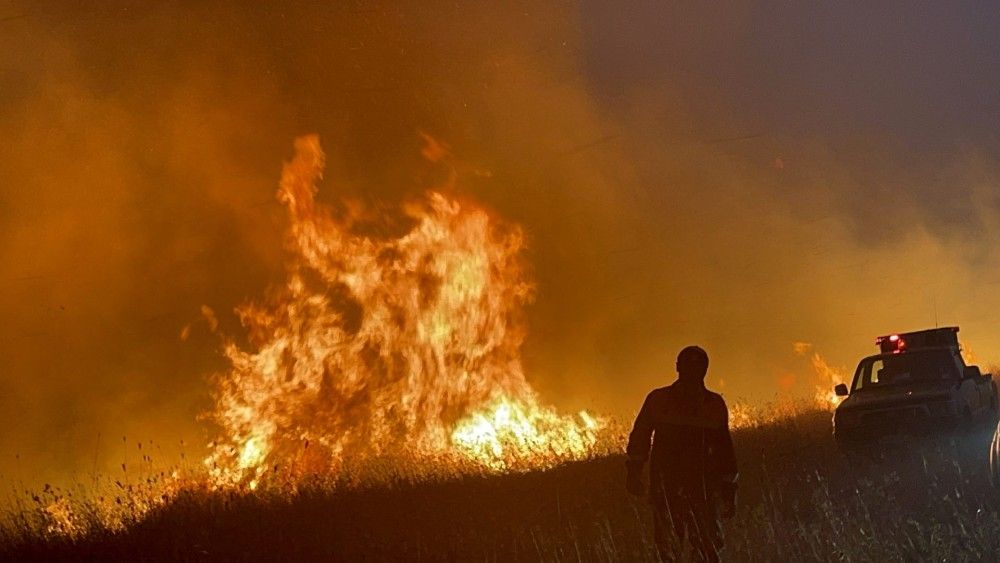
{"type": "Point", "coordinates": [829, 377]}
{"type": "Point", "coordinates": [826, 377]}
{"type": "Point", "coordinates": [386, 344]}
{"type": "Point", "coordinates": [968, 354]}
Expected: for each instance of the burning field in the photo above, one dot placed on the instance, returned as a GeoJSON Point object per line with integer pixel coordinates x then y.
{"type": "Point", "coordinates": [388, 359]}
{"type": "Point", "coordinates": [375, 280]}
{"type": "Point", "coordinates": [393, 346]}
{"type": "Point", "coordinates": [383, 380]}
{"type": "Point", "coordinates": [801, 500]}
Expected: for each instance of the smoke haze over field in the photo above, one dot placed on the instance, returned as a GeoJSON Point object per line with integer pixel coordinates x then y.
{"type": "Point", "coordinates": [739, 178]}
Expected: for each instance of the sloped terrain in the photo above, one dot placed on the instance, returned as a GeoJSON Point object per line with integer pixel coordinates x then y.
{"type": "Point", "coordinates": [801, 500]}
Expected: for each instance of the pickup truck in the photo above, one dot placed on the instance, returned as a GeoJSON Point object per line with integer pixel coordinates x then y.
{"type": "Point", "coordinates": [917, 383]}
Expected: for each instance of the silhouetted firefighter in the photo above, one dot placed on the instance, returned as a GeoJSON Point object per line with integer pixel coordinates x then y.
{"type": "Point", "coordinates": [692, 466]}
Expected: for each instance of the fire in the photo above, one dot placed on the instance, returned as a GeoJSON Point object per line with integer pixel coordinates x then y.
{"type": "Point", "coordinates": [61, 519]}
{"type": "Point", "coordinates": [826, 377]}
{"type": "Point", "coordinates": [508, 432]}
{"type": "Point", "coordinates": [968, 354]}
{"type": "Point", "coordinates": [829, 376]}
{"type": "Point", "coordinates": [394, 335]}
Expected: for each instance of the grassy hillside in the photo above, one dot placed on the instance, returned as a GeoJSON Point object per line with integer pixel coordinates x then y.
{"type": "Point", "coordinates": [926, 499]}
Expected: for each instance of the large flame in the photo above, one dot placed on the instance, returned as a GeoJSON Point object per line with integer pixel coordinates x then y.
{"type": "Point", "coordinates": [396, 334]}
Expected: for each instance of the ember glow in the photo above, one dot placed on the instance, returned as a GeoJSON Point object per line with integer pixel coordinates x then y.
{"type": "Point", "coordinates": [404, 344]}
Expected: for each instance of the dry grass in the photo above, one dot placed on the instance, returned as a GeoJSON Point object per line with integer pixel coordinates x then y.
{"type": "Point", "coordinates": [801, 500]}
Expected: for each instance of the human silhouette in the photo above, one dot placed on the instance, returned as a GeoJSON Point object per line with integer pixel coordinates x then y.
{"type": "Point", "coordinates": [692, 469]}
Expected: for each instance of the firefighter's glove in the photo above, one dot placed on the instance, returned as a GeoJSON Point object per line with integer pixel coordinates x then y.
{"type": "Point", "coordinates": [633, 481]}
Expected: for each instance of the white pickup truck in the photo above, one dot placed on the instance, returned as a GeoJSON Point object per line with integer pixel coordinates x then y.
{"type": "Point", "coordinates": [918, 382]}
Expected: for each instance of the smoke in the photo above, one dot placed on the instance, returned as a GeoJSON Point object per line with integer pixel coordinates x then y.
{"type": "Point", "coordinates": [742, 179]}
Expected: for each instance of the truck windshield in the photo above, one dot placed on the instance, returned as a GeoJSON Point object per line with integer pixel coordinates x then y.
{"type": "Point", "coordinates": [906, 368]}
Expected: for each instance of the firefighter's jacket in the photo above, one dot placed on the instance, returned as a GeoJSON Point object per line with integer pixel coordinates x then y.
{"type": "Point", "coordinates": [692, 450]}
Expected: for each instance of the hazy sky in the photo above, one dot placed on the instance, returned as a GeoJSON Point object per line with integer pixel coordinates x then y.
{"type": "Point", "coordinates": [743, 177]}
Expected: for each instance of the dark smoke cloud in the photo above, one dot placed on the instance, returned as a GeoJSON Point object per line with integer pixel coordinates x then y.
{"type": "Point", "coordinates": [742, 178]}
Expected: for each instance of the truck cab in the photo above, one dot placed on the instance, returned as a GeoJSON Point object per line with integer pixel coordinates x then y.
{"type": "Point", "coordinates": [918, 382]}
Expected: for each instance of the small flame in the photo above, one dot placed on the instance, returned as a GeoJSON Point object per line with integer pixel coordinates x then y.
{"type": "Point", "coordinates": [968, 354]}
{"type": "Point", "coordinates": [61, 518]}
{"type": "Point", "coordinates": [829, 378]}
{"type": "Point", "coordinates": [825, 376]}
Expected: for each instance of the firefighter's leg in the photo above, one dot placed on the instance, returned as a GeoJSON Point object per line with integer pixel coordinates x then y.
{"type": "Point", "coordinates": [663, 532]}
{"type": "Point", "coordinates": [668, 528]}
{"type": "Point", "coordinates": [706, 535]}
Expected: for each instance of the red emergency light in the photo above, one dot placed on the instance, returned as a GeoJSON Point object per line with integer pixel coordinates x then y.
{"type": "Point", "coordinates": [945, 337]}
{"type": "Point", "coordinates": [892, 344]}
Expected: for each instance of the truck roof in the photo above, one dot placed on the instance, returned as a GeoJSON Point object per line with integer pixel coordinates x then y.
{"type": "Point", "coordinates": [945, 337]}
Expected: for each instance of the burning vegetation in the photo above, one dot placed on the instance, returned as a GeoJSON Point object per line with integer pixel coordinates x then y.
{"type": "Point", "coordinates": [394, 342]}
{"type": "Point", "coordinates": [393, 337]}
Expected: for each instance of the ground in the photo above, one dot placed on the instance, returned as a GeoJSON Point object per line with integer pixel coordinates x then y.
{"type": "Point", "coordinates": [924, 498]}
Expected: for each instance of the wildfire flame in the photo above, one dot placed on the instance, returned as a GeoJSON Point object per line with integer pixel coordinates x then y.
{"type": "Point", "coordinates": [825, 376]}
{"type": "Point", "coordinates": [395, 334]}
{"type": "Point", "coordinates": [829, 377]}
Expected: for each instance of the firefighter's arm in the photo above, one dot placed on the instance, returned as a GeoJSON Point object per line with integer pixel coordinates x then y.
{"type": "Point", "coordinates": [726, 464]}
{"type": "Point", "coordinates": [639, 441]}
